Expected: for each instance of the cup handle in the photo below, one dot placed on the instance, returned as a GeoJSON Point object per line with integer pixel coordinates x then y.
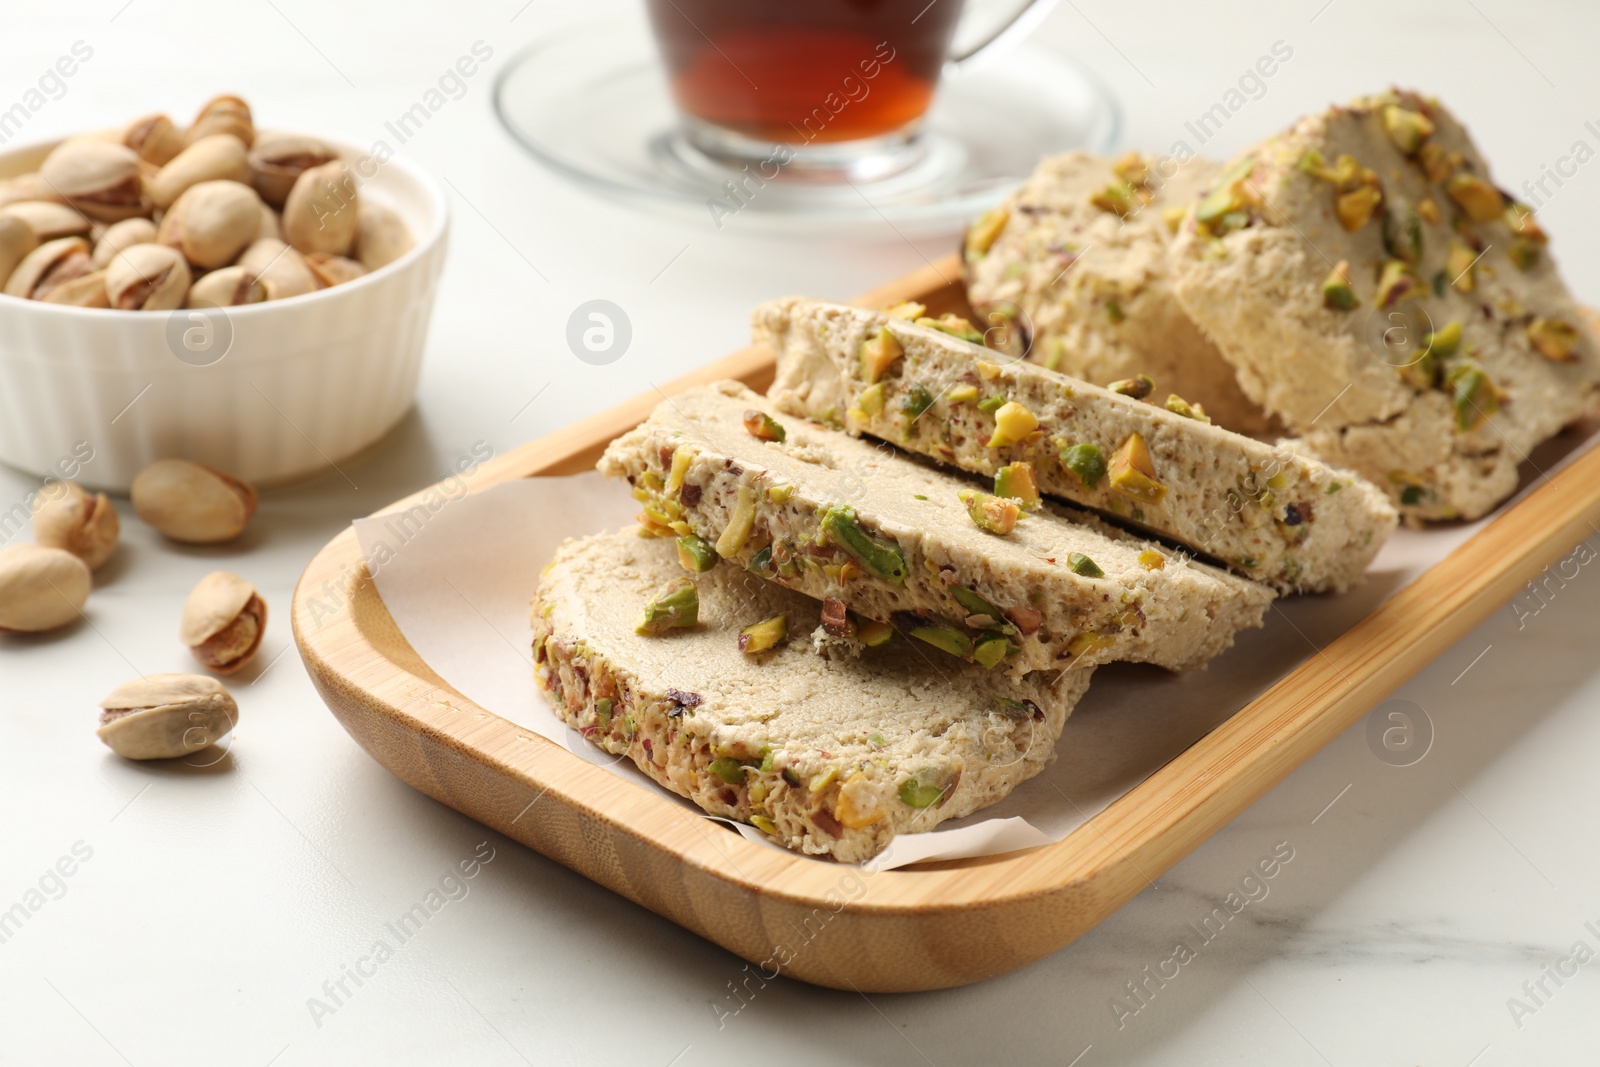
{"type": "Point", "coordinates": [1008, 31]}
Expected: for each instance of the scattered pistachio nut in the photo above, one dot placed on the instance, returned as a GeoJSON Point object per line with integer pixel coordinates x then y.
{"type": "Point", "coordinates": [277, 160]}
{"type": "Point", "coordinates": [153, 139]}
{"type": "Point", "coordinates": [220, 157]}
{"type": "Point", "coordinates": [98, 177]}
{"type": "Point", "coordinates": [281, 270]}
{"type": "Point", "coordinates": [228, 287]}
{"type": "Point", "coordinates": [224, 619]}
{"type": "Point", "coordinates": [164, 716]}
{"type": "Point", "coordinates": [381, 235]}
{"type": "Point", "coordinates": [982, 234]}
{"type": "Point", "coordinates": [41, 588]}
{"type": "Point", "coordinates": [1336, 292]}
{"type": "Point", "coordinates": [1554, 339]}
{"type": "Point", "coordinates": [48, 219]}
{"type": "Point", "coordinates": [877, 556]}
{"type": "Point", "coordinates": [878, 354]}
{"type": "Point", "coordinates": [992, 514]}
{"type": "Point", "coordinates": [84, 291]}
{"type": "Point", "coordinates": [1133, 473]}
{"type": "Point", "coordinates": [49, 265]}
{"type": "Point", "coordinates": [322, 209]}
{"type": "Point", "coordinates": [1016, 480]}
{"type": "Point", "coordinates": [1012, 423]}
{"type": "Point", "coordinates": [760, 636]}
{"type": "Point", "coordinates": [17, 240]}
{"type": "Point", "coordinates": [1480, 201]}
{"type": "Point", "coordinates": [119, 237]}
{"type": "Point", "coordinates": [675, 606]}
{"type": "Point", "coordinates": [223, 114]}
{"type": "Point", "coordinates": [212, 223]}
{"type": "Point", "coordinates": [192, 503]}
{"type": "Point", "coordinates": [331, 270]}
{"type": "Point", "coordinates": [148, 277]}
{"type": "Point", "coordinates": [1138, 387]}
{"type": "Point", "coordinates": [68, 517]}
{"type": "Point", "coordinates": [1085, 462]}
{"type": "Point", "coordinates": [764, 427]}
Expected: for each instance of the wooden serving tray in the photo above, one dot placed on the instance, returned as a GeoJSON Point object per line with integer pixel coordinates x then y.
{"type": "Point", "coordinates": [934, 925]}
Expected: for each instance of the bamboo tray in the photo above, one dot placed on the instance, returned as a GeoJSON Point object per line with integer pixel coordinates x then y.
{"type": "Point", "coordinates": [934, 925]}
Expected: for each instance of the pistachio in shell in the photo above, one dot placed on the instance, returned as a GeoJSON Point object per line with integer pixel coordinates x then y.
{"type": "Point", "coordinates": [212, 223]}
{"type": "Point", "coordinates": [192, 503]}
{"type": "Point", "coordinates": [69, 517]}
{"type": "Point", "coordinates": [41, 588]}
{"type": "Point", "coordinates": [98, 177]}
{"type": "Point", "coordinates": [224, 619]}
{"type": "Point", "coordinates": [154, 139]}
{"type": "Point", "coordinates": [223, 114]}
{"type": "Point", "coordinates": [163, 716]}
{"type": "Point", "coordinates": [49, 219]}
{"type": "Point", "coordinates": [228, 287]}
{"type": "Point", "coordinates": [322, 211]}
{"type": "Point", "coordinates": [269, 223]}
{"type": "Point", "coordinates": [49, 265]}
{"type": "Point", "coordinates": [333, 270]}
{"type": "Point", "coordinates": [382, 236]}
{"type": "Point", "coordinates": [277, 159]}
{"type": "Point", "coordinates": [281, 270]}
{"type": "Point", "coordinates": [121, 236]}
{"type": "Point", "coordinates": [219, 157]}
{"type": "Point", "coordinates": [17, 239]}
{"type": "Point", "coordinates": [25, 187]}
{"type": "Point", "coordinates": [83, 291]}
{"type": "Point", "coordinates": [147, 278]}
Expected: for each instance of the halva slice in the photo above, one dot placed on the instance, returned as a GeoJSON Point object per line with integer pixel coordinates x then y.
{"type": "Point", "coordinates": [829, 755]}
{"type": "Point", "coordinates": [1082, 252]}
{"type": "Point", "coordinates": [896, 541]}
{"type": "Point", "coordinates": [1396, 309]}
{"type": "Point", "coordinates": [1266, 511]}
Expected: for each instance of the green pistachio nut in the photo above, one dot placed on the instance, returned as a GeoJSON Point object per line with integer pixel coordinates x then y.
{"type": "Point", "coordinates": [877, 556]}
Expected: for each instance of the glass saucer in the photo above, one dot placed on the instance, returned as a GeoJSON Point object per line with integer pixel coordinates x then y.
{"type": "Point", "coordinates": [591, 102]}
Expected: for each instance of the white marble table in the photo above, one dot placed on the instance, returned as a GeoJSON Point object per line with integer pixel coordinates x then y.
{"type": "Point", "coordinates": [208, 913]}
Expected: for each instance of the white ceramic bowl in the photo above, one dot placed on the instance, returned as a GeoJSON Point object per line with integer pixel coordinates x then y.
{"type": "Point", "coordinates": [303, 384]}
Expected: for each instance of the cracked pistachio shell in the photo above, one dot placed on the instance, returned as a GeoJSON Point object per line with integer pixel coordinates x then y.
{"type": "Point", "coordinates": [49, 219]}
{"type": "Point", "coordinates": [17, 239]}
{"type": "Point", "coordinates": [224, 619]}
{"type": "Point", "coordinates": [277, 159]}
{"type": "Point", "coordinates": [147, 278]}
{"type": "Point", "coordinates": [84, 291]}
{"type": "Point", "coordinates": [41, 588]}
{"type": "Point", "coordinates": [162, 716]}
{"type": "Point", "coordinates": [153, 139]}
{"type": "Point", "coordinates": [220, 157]}
{"type": "Point", "coordinates": [212, 223]}
{"type": "Point", "coordinates": [223, 114]}
{"type": "Point", "coordinates": [382, 236]}
{"type": "Point", "coordinates": [98, 177]}
{"type": "Point", "coordinates": [228, 287]}
{"type": "Point", "coordinates": [48, 266]}
{"type": "Point", "coordinates": [281, 270]}
{"type": "Point", "coordinates": [69, 517]}
{"type": "Point", "coordinates": [333, 270]}
{"type": "Point", "coordinates": [120, 237]}
{"type": "Point", "coordinates": [322, 211]}
{"type": "Point", "coordinates": [269, 224]}
{"type": "Point", "coordinates": [25, 187]}
{"type": "Point", "coordinates": [191, 503]}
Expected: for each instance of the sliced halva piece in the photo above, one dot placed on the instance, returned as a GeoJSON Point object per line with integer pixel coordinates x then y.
{"type": "Point", "coordinates": [1266, 510]}
{"type": "Point", "coordinates": [830, 756]}
{"type": "Point", "coordinates": [837, 517]}
{"type": "Point", "coordinates": [1082, 249]}
{"type": "Point", "coordinates": [1396, 309]}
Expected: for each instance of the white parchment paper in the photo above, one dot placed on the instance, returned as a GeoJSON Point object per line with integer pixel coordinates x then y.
{"type": "Point", "coordinates": [458, 578]}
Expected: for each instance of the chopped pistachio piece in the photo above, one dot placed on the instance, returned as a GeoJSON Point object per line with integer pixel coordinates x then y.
{"type": "Point", "coordinates": [681, 458]}
{"type": "Point", "coordinates": [675, 605]}
{"type": "Point", "coordinates": [915, 401]}
{"type": "Point", "coordinates": [1132, 168]}
{"type": "Point", "coordinates": [1523, 223]}
{"type": "Point", "coordinates": [730, 770]}
{"type": "Point", "coordinates": [764, 427]}
{"type": "Point", "coordinates": [1472, 395]}
{"type": "Point", "coordinates": [1012, 423]}
{"type": "Point", "coordinates": [943, 637]}
{"type": "Point", "coordinates": [1151, 560]}
{"type": "Point", "coordinates": [1422, 373]}
{"type": "Point", "coordinates": [1407, 129]}
{"type": "Point", "coordinates": [740, 521]}
{"type": "Point", "coordinates": [1139, 387]}
{"type": "Point", "coordinates": [1118, 198]}
{"type": "Point", "coordinates": [870, 399]}
{"type": "Point", "coordinates": [1395, 282]}
{"type": "Point", "coordinates": [1226, 198]}
{"type": "Point", "coordinates": [1089, 641]}
{"type": "Point", "coordinates": [1524, 255]}
{"type": "Point", "coordinates": [1132, 472]}
{"type": "Point", "coordinates": [779, 494]}
{"type": "Point", "coordinates": [1336, 292]}
{"type": "Point", "coordinates": [1554, 339]}
{"type": "Point", "coordinates": [878, 355]}
{"type": "Point", "coordinates": [1015, 480]}
{"type": "Point", "coordinates": [696, 553]}
{"type": "Point", "coordinates": [920, 793]}
{"type": "Point", "coordinates": [909, 310]}
{"type": "Point", "coordinates": [1429, 210]}
{"type": "Point", "coordinates": [1356, 207]}
{"type": "Point", "coordinates": [874, 633]}
{"type": "Point", "coordinates": [982, 233]}
{"type": "Point", "coordinates": [991, 404]}
{"type": "Point", "coordinates": [1446, 342]}
{"type": "Point", "coordinates": [760, 636]}
{"type": "Point", "coordinates": [764, 824]}
{"type": "Point", "coordinates": [1082, 564]}
{"type": "Point", "coordinates": [981, 615]}
{"type": "Point", "coordinates": [1480, 201]}
{"type": "Point", "coordinates": [955, 326]}
{"type": "Point", "coordinates": [1437, 162]}
{"type": "Point", "coordinates": [1402, 237]}
{"type": "Point", "coordinates": [602, 712]}
{"type": "Point", "coordinates": [1458, 264]}
{"type": "Point", "coordinates": [1179, 406]}
{"type": "Point", "coordinates": [990, 649]}
{"type": "Point", "coordinates": [992, 514]}
{"type": "Point", "coordinates": [879, 557]}
{"type": "Point", "coordinates": [962, 394]}
{"type": "Point", "coordinates": [1085, 463]}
